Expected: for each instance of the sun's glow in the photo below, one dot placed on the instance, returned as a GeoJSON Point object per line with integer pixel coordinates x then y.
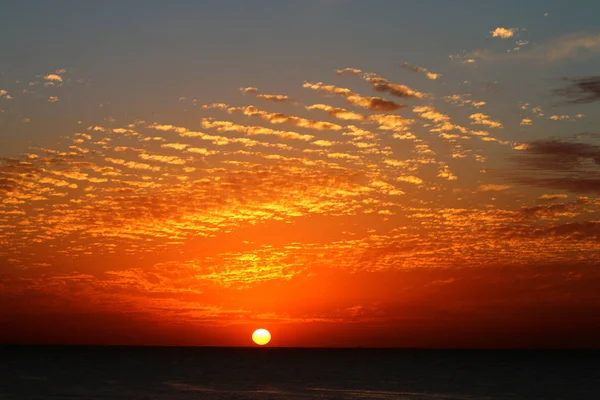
{"type": "Point", "coordinates": [261, 337]}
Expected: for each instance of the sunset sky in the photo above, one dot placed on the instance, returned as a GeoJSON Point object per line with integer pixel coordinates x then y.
{"type": "Point", "coordinates": [339, 172]}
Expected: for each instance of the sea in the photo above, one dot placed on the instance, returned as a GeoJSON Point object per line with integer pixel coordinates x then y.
{"type": "Point", "coordinates": [185, 373]}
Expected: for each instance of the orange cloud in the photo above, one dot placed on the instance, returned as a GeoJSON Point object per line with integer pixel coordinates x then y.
{"type": "Point", "coordinates": [273, 97]}
{"type": "Point", "coordinates": [278, 118]}
{"type": "Point", "coordinates": [503, 33]}
{"type": "Point", "coordinates": [371, 103]}
{"type": "Point", "coordinates": [224, 126]}
{"type": "Point", "coordinates": [482, 119]}
{"type": "Point", "coordinates": [53, 78]}
{"type": "Point", "coordinates": [340, 113]}
{"type": "Point", "coordinates": [348, 71]}
{"type": "Point", "coordinates": [249, 90]}
{"type": "Point", "coordinates": [492, 188]}
{"type": "Point", "coordinates": [383, 85]}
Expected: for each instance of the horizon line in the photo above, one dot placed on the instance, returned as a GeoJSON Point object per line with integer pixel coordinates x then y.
{"type": "Point", "coordinates": [303, 347]}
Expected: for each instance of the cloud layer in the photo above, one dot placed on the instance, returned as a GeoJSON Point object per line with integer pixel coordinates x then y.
{"type": "Point", "coordinates": [331, 206]}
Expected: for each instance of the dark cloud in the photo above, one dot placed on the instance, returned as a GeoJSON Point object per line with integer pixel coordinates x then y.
{"type": "Point", "coordinates": [578, 230]}
{"type": "Point", "coordinates": [581, 90]}
{"type": "Point", "coordinates": [574, 183]}
{"type": "Point", "coordinates": [413, 68]}
{"type": "Point", "coordinates": [560, 155]}
{"type": "Point", "coordinates": [574, 231]}
{"type": "Point", "coordinates": [583, 230]}
{"type": "Point", "coordinates": [566, 165]}
{"type": "Point", "coordinates": [7, 185]}
{"type": "Point", "coordinates": [552, 209]}
{"type": "Point", "coordinates": [395, 89]}
{"type": "Point", "coordinates": [379, 104]}
{"type": "Point", "coordinates": [510, 301]}
{"type": "Point", "coordinates": [417, 68]}
{"type": "Point", "coordinates": [12, 172]}
{"type": "Point", "coordinates": [371, 103]}
{"type": "Point", "coordinates": [538, 305]}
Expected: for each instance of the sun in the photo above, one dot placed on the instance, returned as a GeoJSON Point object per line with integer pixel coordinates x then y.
{"type": "Point", "coordinates": [261, 337]}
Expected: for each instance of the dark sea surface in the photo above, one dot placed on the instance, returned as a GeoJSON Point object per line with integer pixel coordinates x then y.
{"type": "Point", "coordinates": [178, 373]}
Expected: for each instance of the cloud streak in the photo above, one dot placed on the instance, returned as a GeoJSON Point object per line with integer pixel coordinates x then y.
{"type": "Point", "coordinates": [368, 102]}
{"type": "Point", "coordinates": [563, 165]}
{"type": "Point", "coordinates": [581, 90]}
{"type": "Point", "coordinates": [562, 48]}
{"type": "Point", "coordinates": [416, 68]}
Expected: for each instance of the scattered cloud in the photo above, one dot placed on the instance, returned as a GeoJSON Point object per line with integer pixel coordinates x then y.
{"type": "Point", "coordinates": [526, 122]}
{"type": "Point", "coordinates": [371, 103]}
{"type": "Point", "coordinates": [482, 119]}
{"type": "Point", "coordinates": [463, 59]}
{"type": "Point", "coordinates": [194, 220]}
{"type": "Point", "coordinates": [520, 44]}
{"type": "Point", "coordinates": [220, 106]}
{"type": "Point", "coordinates": [53, 79]}
{"type": "Point", "coordinates": [556, 117]}
{"type": "Point", "coordinates": [278, 118]}
{"type": "Point", "coordinates": [462, 100]}
{"type": "Point", "coordinates": [227, 126]}
{"type": "Point", "coordinates": [280, 98]}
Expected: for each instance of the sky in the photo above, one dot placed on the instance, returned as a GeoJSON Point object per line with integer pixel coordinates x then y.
{"type": "Point", "coordinates": [340, 172]}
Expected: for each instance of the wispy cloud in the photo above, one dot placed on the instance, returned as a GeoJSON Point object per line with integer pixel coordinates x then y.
{"type": "Point", "coordinates": [581, 90]}
{"type": "Point", "coordinates": [280, 98]}
{"type": "Point", "coordinates": [249, 89]}
{"type": "Point", "coordinates": [482, 119]}
{"type": "Point", "coordinates": [348, 71]}
{"type": "Point", "coordinates": [278, 118]}
{"type": "Point", "coordinates": [417, 68]}
{"type": "Point", "coordinates": [555, 50]}
{"type": "Point", "coordinates": [492, 188]}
